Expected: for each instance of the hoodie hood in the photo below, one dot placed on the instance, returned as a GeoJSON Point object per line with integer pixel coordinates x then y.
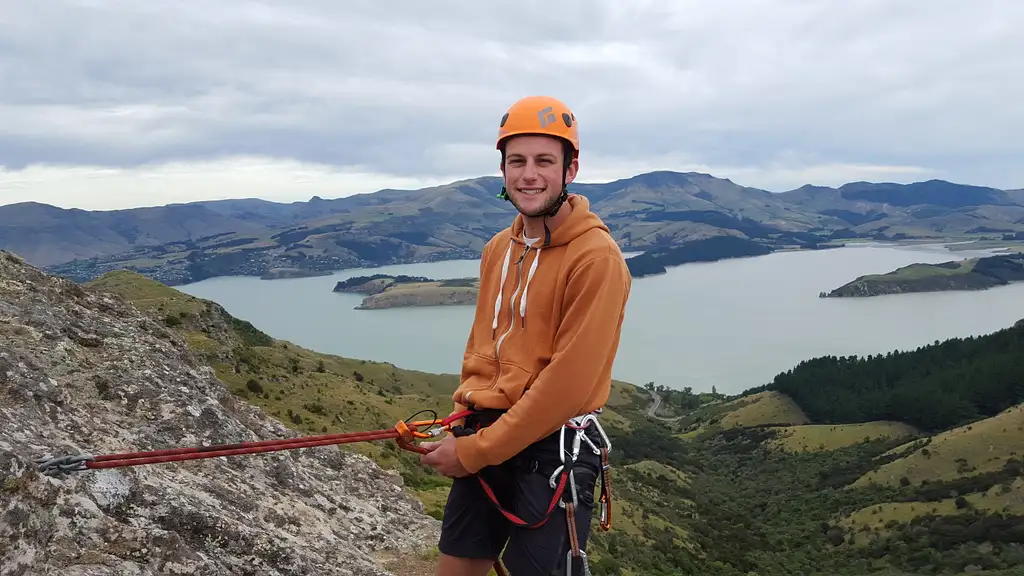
{"type": "Point", "coordinates": [579, 221]}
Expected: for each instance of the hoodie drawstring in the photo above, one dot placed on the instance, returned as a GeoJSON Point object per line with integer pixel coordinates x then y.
{"type": "Point", "coordinates": [529, 276]}
{"type": "Point", "coordinates": [501, 287]}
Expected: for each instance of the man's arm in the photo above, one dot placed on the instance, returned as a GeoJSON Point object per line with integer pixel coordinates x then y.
{"type": "Point", "coordinates": [585, 343]}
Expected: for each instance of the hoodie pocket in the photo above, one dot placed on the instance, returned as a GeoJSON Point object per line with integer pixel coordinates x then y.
{"type": "Point", "coordinates": [513, 380]}
{"type": "Point", "coordinates": [484, 374]}
{"type": "Point", "coordinates": [478, 372]}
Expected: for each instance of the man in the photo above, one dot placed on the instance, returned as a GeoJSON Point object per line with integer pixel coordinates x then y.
{"type": "Point", "coordinates": [553, 291]}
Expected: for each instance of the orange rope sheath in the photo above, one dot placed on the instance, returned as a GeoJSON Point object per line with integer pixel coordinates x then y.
{"type": "Point", "coordinates": [403, 433]}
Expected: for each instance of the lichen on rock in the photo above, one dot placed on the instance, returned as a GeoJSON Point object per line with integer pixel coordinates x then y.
{"type": "Point", "coordinates": [83, 372]}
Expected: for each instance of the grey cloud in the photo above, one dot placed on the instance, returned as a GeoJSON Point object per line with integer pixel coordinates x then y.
{"type": "Point", "coordinates": [407, 88]}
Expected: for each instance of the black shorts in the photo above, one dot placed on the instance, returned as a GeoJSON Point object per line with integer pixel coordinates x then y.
{"type": "Point", "coordinates": [474, 528]}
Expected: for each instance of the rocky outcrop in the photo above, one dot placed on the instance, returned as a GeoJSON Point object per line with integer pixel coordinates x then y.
{"type": "Point", "coordinates": [83, 372]}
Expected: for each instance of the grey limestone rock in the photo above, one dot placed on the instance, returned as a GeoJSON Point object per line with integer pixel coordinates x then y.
{"type": "Point", "coordinates": [86, 373]}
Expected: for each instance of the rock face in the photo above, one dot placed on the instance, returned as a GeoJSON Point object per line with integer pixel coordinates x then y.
{"type": "Point", "coordinates": [85, 373]}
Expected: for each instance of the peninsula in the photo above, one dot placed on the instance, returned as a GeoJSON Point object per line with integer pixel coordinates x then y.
{"type": "Point", "coordinates": [968, 274]}
{"type": "Point", "coordinates": [386, 291]}
{"type": "Point", "coordinates": [657, 260]}
{"type": "Point", "coordinates": [284, 273]}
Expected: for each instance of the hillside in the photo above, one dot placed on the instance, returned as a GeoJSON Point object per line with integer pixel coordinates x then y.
{"type": "Point", "coordinates": [764, 483]}
{"type": "Point", "coordinates": [45, 235]}
{"type": "Point", "coordinates": [657, 260]}
{"type": "Point", "coordinates": [911, 462]}
{"type": "Point", "coordinates": [968, 274]}
{"type": "Point", "coordinates": [82, 372]}
{"type": "Point", "coordinates": [921, 208]}
{"type": "Point", "coordinates": [719, 499]}
{"type": "Point", "coordinates": [653, 211]}
{"type": "Point", "coordinates": [934, 387]}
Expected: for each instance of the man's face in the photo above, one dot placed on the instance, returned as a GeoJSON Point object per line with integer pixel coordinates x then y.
{"type": "Point", "coordinates": [533, 173]}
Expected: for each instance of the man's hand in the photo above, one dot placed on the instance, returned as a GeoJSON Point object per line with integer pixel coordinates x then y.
{"type": "Point", "coordinates": [442, 457]}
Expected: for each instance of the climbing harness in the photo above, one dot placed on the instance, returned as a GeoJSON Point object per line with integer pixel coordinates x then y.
{"type": "Point", "coordinates": [404, 433]}
{"type": "Point", "coordinates": [562, 476]}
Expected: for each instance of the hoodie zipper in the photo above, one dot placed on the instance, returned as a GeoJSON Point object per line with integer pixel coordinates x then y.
{"type": "Point", "coordinates": [512, 314]}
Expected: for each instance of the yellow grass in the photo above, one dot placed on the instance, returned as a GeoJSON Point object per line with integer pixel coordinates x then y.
{"type": "Point", "coordinates": [818, 437]}
{"type": "Point", "coordinates": [421, 294]}
{"type": "Point", "coordinates": [966, 451]}
{"type": "Point", "coordinates": [761, 409]}
{"type": "Point", "coordinates": [1002, 498]}
{"type": "Point", "coordinates": [653, 469]}
{"type": "Point", "coordinates": [764, 408]}
{"type": "Point", "coordinates": [147, 295]}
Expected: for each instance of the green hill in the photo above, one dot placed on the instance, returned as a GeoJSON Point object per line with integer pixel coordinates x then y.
{"type": "Point", "coordinates": [837, 468]}
{"type": "Point", "coordinates": [934, 387]}
{"type": "Point", "coordinates": [967, 274]}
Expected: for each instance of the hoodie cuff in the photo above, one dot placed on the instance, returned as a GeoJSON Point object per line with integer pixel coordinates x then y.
{"type": "Point", "coordinates": [467, 449]}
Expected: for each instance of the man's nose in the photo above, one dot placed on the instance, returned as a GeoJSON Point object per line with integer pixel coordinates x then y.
{"type": "Point", "coordinates": [530, 171]}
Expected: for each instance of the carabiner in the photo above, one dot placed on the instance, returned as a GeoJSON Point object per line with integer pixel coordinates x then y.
{"type": "Point", "coordinates": [583, 560]}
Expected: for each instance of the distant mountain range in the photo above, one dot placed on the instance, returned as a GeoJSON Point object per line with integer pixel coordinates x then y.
{"type": "Point", "coordinates": [182, 243]}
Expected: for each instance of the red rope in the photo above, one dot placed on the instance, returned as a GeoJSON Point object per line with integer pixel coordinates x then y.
{"type": "Point", "coordinates": [404, 433]}
{"type": "Point", "coordinates": [180, 454]}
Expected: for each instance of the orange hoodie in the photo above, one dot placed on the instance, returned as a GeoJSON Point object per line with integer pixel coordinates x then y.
{"type": "Point", "coordinates": [545, 333]}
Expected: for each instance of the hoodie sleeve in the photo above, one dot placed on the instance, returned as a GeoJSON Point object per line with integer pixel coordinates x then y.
{"type": "Point", "coordinates": [585, 346]}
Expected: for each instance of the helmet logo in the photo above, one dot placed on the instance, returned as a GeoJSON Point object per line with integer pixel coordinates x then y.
{"type": "Point", "coordinates": [546, 116]}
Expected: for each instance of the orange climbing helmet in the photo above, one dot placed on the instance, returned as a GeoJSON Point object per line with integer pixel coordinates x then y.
{"type": "Point", "coordinates": [540, 115]}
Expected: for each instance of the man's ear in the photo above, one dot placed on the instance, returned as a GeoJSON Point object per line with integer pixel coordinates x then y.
{"type": "Point", "coordinates": [574, 168]}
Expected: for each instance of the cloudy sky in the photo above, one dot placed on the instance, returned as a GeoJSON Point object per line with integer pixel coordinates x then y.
{"type": "Point", "coordinates": [107, 104]}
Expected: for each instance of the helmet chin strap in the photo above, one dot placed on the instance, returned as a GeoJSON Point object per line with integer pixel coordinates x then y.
{"type": "Point", "coordinates": [554, 210]}
{"type": "Point", "coordinates": [551, 212]}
